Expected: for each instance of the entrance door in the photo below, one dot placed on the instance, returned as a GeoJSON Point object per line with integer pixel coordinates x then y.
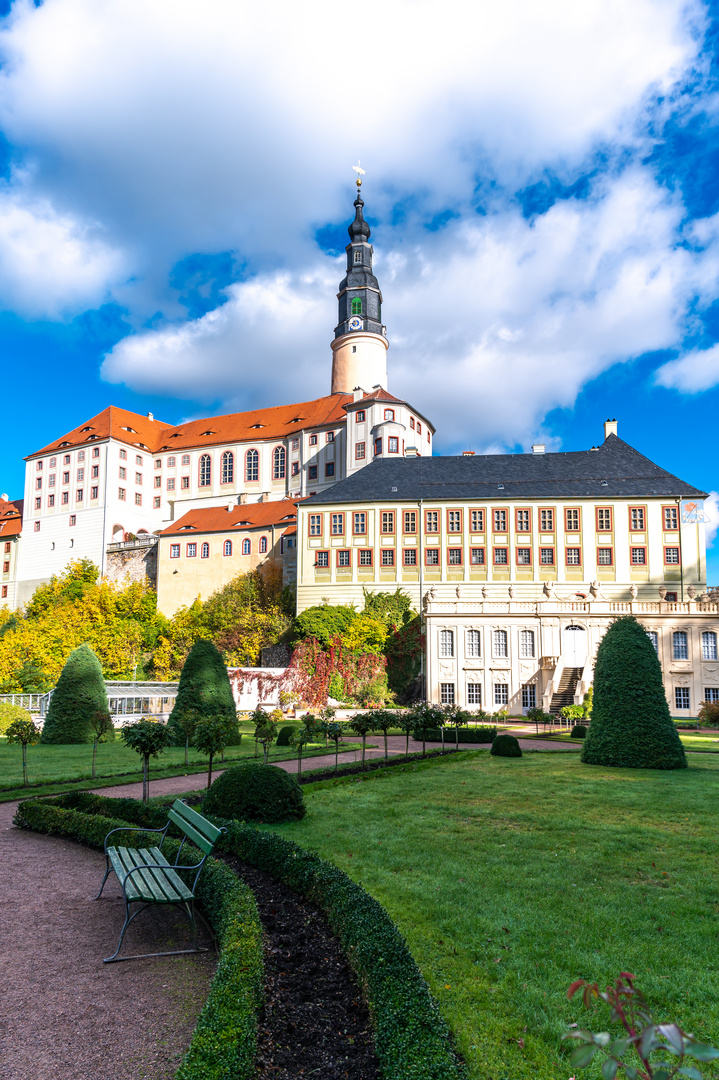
{"type": "Point", "coordinates": [574, 646]}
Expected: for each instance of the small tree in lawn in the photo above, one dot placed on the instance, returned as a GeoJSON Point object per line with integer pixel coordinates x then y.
{"type": "Point", "coordinates": [27, 734]}
{"type": "Point", "coordinates": [452, 717]}
{"type": "Point", "coordinates": [266, 733]}
{"type": "Point", "coordinates": [427, 718]}
{"type": "Point", "coordinates": [299, 739]}
{"type": "Point", "coordinates": [334, 732]}
{"type": "Point", "coordinates": [102, 730]}
{"type": "Point", "coordinates": [210, 737]}
{"type": "Point", "coordinates": [258, 717]}
{"type": "Point", "coordinates": [149, 738]}
{"type": "Point", "coordinates": [406, 723]}
{"type": "Point", "coordinates": [361, 724]}
{"type": "Point", "coordinates": [383, 721]}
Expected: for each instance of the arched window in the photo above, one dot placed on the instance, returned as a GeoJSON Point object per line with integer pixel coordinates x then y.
{"type": "Point", "coordinates": [227, 549]}
{"type": "Point", "coordinates": [205, 551]}
{"type": "Point", "coordinates": [356, 306]}
{"type": "Point", "coordinates": [389, 414]}
{"type": "Point", "coordinates": [263, 546]}
{"type": "Point", "coordinates": [228, 467]}
{"type": "Point", "coordinates": [252, 465]}
{"type": "Point", "coordinates": [246, 546]}
{"type": "Point", "coordinates": [205, 470]}
{"type": "Point", "coordinates": [278, 463]}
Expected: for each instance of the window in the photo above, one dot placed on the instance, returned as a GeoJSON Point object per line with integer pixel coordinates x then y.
{"type": "Point", "coordinates": [185, 459]}
{"type": "Point", "coordinates": [501, 694]}
{"type": "Point", "coordinates": [388, 521]}
{"type": "Point", "coordinates": [454, 556]}
{"type": "Point", "coordinates": [158, 463]}
{"type": "Point", "coordinates": [53, 461]}
{"type": "Point", "coordinates": [73, 519]}
{"type": "Point", "coordinates": [454, 521]}
{"type": "Point", "coordinates": [524, 556]}
{"type": "Point", "coordinates": [654, 638]}
{"type": "Point", "coordinates": [446, 643]}
{"type": "Point", "coordinates": [313, 440]}
{"type": "Point", "coordinates": [138, 459]}
{"type": "Point", "coordinates": [546, 520]}
{"type": "Point", "coordinates": [526, 643]}
{"type": "Point", "coordinates": [95, 452]}
{"type": "Point", "coordinates": [500, 520]}
{"type": "Point", "coordinates": [604, 519]}
{"type": "Point", "coordinates": [356, 306]}
{"type": "Point", "coordinates": [138, 499]}
{"type": "Point", "coordinates": [95, 471]}
{"type": "Point", "coordinates": [410, 557]}
{"type": "Point", "coordinates": [79, 494]}
{"type": "Point", "coordinates": [158, 481]}
{"type": "Point", "coordinates": [387, 556]}
{"type": "Point", "coordinates": [323, 559]}
{"type": "Point", "coordinates": [681, 697]}
{"type": "Point", "coordinates": [330, 436]}
{"type": "Point", "coordinates": [138, 477]}
{"type": "Point", "coordinates": [529, 696]}
{"type": "Point", "coordinates": [263, 545]}
{"type": "Point", "coordinates": [278, 463]}
{"type": "Point", "coordinates": [359, 523]}
{"type": "Point", "coordinates": [411, 422]}
{"type": "Point", "coordinates": [38, 503]}
{"type": "Point", "coordinates": [680, 644]}
{"type": "Point", "coordinates": [38, 465]}
{"type": "Point", "coordinates": [711, 695]}
{"type": "Point", "coordinates": [171, 463]}
{"type": "Point", "coordinates": [184, 482]}
{"type": "Point", "coordinates": [51, 500]}
{"type": "Point", "coordinates": [358, 255]}
{"type": "Point", "coordinates": [315, 524]}
{"type": "Point", "coordinates": [171, 483]}
{"type": "Point", "coordinates": [500, 556]}
{"type": "Point", "coordinates": [191, 551]}
{"type": "Point", "coordinates": [295, 468]}
{"type": "Point", "coordinates": [295, 444]}
{"type": "Point", "coordinates": [329, 468]}
{"type": "Point", "coordinates": [359, 451]}
{"type": "Point", "coordinates": [473, 643]}
{"type": "Point", "coordinates": [671, 598]}
{"type": "Point", "coordinates": [246, 546]}
{"type": "Point", "coordinates": [446, 693]}
{"type": "Point", "coordinates": [205, 470]}
{"type": "Point", "coordinates": [671, 556]}
{"type": "Point", "coordinates": [227, 547]}
{"type": "Point", "coordinates": [476, 556]}
{"type": "Point", "coordinates": [709, 645]}
{"type": "Point", "coordinates": [431, 556]}
{"type": "Point", "coordinates": [94, 492]}
{"type": "Point", "coordinates": [122, 474]}
{"type": "Point", "coordinates": [365, 557]}
{"type": "Point", "coordinates": [227, 467]}
{"type": "Point", "coordinates": [410, 522]}
{"type": "Point", "coordinates": [639, 556]}
{"type": "Point", "coordinates": [604, 557]}
{"type": "Point", "coordinates": [499, 643]}
{"type": "Point", "coordinates": [474, 693]}
{"type": "Point", "coordinates": [66, 496]}
{"type": "Point", "coordinates": [671, 518]}
{"type": "Point", "coordinates": [338, 524]}
{"type": "Point", "coordinates": [252, 466]}
{"type": "Point", "coordinates": [51, 480]}
{"type": "Point", "coordinates": [156, 502]}
{"type": "Point", "coordinates": [571, 520]}
{"type": "Point", "coordinates": [431, 521]}
{"type": "Point", "coordinates": [477, 519]}
{"type": "Point", "coordinates": [360, 416]}
{"type": "Point", "coordinates": [389, 414]}
{"type": "Point", "coordinates": [574, 556]}
{"type": "Point", "coordinates": [377, 447]}
{"type": "Point", "coordinates": [392, 445]}
{"type": "Point", "coordinates": [636, 518]}
{"type": "Point", "coordinates": [37, 526]}
{"type": "Point", "coordinates": [205, 551]}
{"type": "Point", "coordinates": [4, 591]}
{"type": "Point", "coordinates": [38, 483]}
{"type": "Point", "coordinates": [546, 556]}
{"type": "Point", "coordinates": [343, 557]}
{"type": "Point", "coordinates": [522, 520]}
{"type": "Point", "coordinates": [123, 457]}
{"type": "Point", "coordinates": [419, 428]}
{"type": "Point", "coordinates": [174, 551]}
{"type": "Point", "coordinates": [81, 456]}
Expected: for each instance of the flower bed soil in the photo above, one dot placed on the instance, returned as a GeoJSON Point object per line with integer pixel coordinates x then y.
{"type": "Point", "coordinates": [314, 1021]}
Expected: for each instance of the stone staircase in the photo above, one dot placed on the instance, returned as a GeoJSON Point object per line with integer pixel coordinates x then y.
{"type": "Point", "coordinates": [564, 694]}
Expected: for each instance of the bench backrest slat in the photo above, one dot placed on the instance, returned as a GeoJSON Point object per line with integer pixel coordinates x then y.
{"type": "Point", "coordinates": [204, 843]}
{"type": "Point", "coordinates": [196, 820]}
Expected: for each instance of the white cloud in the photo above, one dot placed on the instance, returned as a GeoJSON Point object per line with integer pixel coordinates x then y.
{"type": "Point", "coordinates": [711, 513]}
{"type": "Point", "coordinates": [695, 371]}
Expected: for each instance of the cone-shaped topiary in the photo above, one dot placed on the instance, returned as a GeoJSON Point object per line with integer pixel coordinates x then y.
{"type": "Point", "coordinates": [255, 792]}
{"type": "Point", "coordinates": [506, 746]}
{"type": "Point", "coordinates": [204, 691]}
{"type": "Point", "coordinates": [79, 695]}
{"type": "Point", "coordinates": [631, 726]}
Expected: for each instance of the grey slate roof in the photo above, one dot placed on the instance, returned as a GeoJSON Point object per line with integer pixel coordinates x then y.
{"type": "Point", "coordinates": [614, 470]}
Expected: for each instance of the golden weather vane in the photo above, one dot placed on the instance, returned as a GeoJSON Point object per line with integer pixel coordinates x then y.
{"type": "Point", "coordinates": [360, 173]}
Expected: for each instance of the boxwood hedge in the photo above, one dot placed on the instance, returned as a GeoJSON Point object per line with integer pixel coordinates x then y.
{"type": "Point", "coordinates": [483, 734]}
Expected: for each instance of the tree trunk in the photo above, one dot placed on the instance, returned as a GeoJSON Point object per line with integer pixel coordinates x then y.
{"type": "Point", "coordinates": [299, 761]}
{"type": "Point", "coordinates": [145, 778]}
{"type": "Point", "coordinates": [385, 745]}
{"type": "Point", "coordinates": [94, 753]}
{"type": "Point", "coordinates": [24, 765]}
{"type": "Point", "coordinates": [187, 745]}
{"type": "Point", "coordinates": [406, 748]}
{"type": "Point", "coordinates": [364, 740]}
{"type": "Point", "coordinates": [442, 730]}
{"type": "Point", "coordinates": [209, 770]}
{"type": "Point", "coordinates": [424, 737]}
{"type": "Point", "coordinates": [456, 738]}
{"type": "Point", "coordinates": [337, 750]}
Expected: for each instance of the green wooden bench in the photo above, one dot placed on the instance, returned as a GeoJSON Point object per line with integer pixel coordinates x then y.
{"type": "Point", "coordinates": [146, 877]}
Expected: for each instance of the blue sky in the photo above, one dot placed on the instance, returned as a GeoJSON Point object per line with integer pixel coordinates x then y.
{"type": "Point", "coordinates": [542, 182]}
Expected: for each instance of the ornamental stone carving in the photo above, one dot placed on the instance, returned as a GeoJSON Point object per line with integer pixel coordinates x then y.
{"type": "Point", "coordinates": [633, 591]}
{"type": "Point", "coordinates": [691, 592]}
{"type": "Point", "coordinates": [662, 592]}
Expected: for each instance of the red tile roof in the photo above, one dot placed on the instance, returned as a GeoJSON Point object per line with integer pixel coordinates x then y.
{"type": "Point", "coordinates": [212, 519]}
{"type": "Point", "coordinates": [10, 518]}
{"type": "Point", "coordinates": [153, 435]}
{"type": "Point", "coordinates": [384, 395]}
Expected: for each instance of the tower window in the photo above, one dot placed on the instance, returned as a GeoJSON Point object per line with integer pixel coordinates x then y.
{"type": "Point", "coordinates": [358, 256]}
{"type": "Point", "coordinates": [356, 306]}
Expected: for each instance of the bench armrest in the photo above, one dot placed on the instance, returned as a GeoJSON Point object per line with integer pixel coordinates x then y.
{"type": "Point", "coordinates": [132, 828]}
{"type": "Point", "coordinates": [158, 866]}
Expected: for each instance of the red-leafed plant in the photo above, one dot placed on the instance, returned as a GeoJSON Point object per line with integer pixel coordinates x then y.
{"type": "Point", "coordinates": [312, 668]}
{"type": "Point", "coordinates": [642, 1038]}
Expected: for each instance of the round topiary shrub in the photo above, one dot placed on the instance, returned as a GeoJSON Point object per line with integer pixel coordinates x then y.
{"type": "Point", "coordinates": [283, 735]}
{"type": "Point", "coordinates": [255, 792]}
{"type": "Point", "coordinates": [506, 746]}
{"type": "Point", "coordinates": [579, 731]}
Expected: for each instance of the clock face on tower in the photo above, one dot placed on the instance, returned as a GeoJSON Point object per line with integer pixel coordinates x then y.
{"type": "Point", "coordinates": [355, 323]}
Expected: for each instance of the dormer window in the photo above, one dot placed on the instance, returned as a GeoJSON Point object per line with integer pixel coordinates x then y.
{"type": "Point", "coordinates": [209, 432]}
{"type": "Point", "coordinates": [358, 255]}
{"type": "Point", "coordinates": [356, 306]}
{"type": "Point", "coordinates": [389, 414]}
{"type": "Point", "coordinates": [258, 425]}
{"type": "Point", "coordinates": [129, 429]}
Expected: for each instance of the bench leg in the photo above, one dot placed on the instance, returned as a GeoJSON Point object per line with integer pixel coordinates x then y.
{"type": "Point", "coordinates": [189, 910]}
{"type": "Point", "coordinates": [107, 872]}
{"type": "Point", "coordinates": [128, 919]}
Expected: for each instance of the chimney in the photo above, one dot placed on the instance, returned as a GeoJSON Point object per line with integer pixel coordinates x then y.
{"type": "Point", "coordinates": [468, 453]}
{"type": "Point", "coordinates": [357, 393]}
{"type": "Point", "coordinates": [4, 496]}
{"type": "Point", "coordinates": [150, 416]}
{"type": "Point", "coordinates": [231, 506]}
{"type": "Point", "coordinates": [264, 497]}
{"type": "Point", "coordinates": [538, 447]}
{"type": "Point", "coordinates": [610, 428]}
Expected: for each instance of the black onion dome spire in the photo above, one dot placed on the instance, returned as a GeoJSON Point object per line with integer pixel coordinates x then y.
{"type": "Point", "coordinates": [359, 298]}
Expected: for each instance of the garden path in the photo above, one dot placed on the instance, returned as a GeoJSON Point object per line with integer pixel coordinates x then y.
{"type": "Point", "coordinates": [66, 1015]}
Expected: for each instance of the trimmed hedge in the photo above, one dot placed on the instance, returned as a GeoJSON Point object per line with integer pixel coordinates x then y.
{"type": "Point", "coordinates": [483, 734]}
{"type": "Point", "coordinates": [283, 735]}
{"type": "Point", "coordinates": [78, 696]}
{"type": "Point", "coordinates": [224, 1043]}
{"type": "Point", "coordinates": [506, 746]}
{"type": "Point", "coordinates": [255, 792]}
{"type": "Point", "coordinates": [412, 1040]}
{"type": "Point", "coordinates": [579, 731]}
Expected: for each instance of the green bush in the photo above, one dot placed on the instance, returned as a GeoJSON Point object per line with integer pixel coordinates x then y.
{"type": "Point", "coordinates": [506, 746]}
{"type": "Point", "coordinates": [204, 690]}
{"type": "Point", "coordinates": [483, 734]}
{"type": "Point", "coordinates": [579, 731]}
{"type": "Point", "coordinates": [79, 695]}
{"type": "Point", "coordinates": [283, 735]}
{"type": "Point", "coordinates": [255, 792]}
{"type": "Point", "coordinates": [631, 726]}
{"type": "Point", "coordinates": [10, 713]}
{"type": "Point", "coordinates": [572, 712]}
{"type": "Point", "coordinates": [324, 622]}
{"type": "Point", "coordinates": [709, 714]}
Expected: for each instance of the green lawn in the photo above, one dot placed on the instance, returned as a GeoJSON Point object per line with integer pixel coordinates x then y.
{"type": "Point", "coordinates": [510, 878]}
